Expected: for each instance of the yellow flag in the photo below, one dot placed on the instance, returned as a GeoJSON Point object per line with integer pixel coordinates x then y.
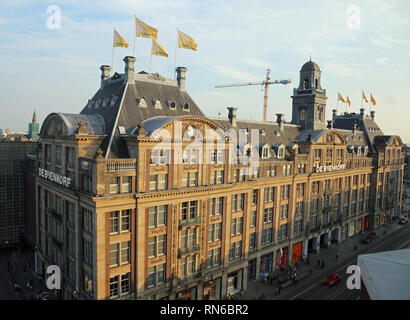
{"type": "Point", "coordinates": [348, 100]}
{"type": "Point", "coordinates": [157, 49]}
{"type": "Point", "coordinates": [339, 97]}
{"type": "Point", "coordinates": [372, 100]}
{"type": "Point", "coordinates": [186, 42]}
{"type": "Point", "coordinates": [144, 30]}
{"type": "Point", "coordinates": [119, 41]}
{"type": "Point", "coordinates": [364, 97]}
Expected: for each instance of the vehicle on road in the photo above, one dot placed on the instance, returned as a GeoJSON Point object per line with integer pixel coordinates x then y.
{"type": "Point", "coordinates": [332, 279]}
{"type": "Point", "coordinates": [365, 240]}
{"type": "Point", "coordinates": [403, 220]}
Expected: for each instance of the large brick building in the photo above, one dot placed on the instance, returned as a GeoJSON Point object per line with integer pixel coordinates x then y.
{"type": "Point", "coordinates": [124, 218]}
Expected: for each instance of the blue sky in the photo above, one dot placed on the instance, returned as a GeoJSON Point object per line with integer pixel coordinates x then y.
{"type": "Point", "coordinates": [58, 70]}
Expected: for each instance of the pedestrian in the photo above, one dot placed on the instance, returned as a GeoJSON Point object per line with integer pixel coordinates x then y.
{"type": "Point", "coordinates": [277, 290]}
{"type": "Point", "coordinates": [318, 262]}
{"type": "Point", "coordinates": [308, 260]}
{"type": "Point", "coordinates": [270, 281]}
{"type": "Point", "coordinates": [337, 256]}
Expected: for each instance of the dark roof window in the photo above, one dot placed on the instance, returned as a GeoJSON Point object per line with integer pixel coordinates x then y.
{"type": "Point", "coordinates": [171, 104]}
{"type": "Point", "coordinates": [157, 103]}
{"type": "Point", "coordinates": [185, 106]}
{"type": "Point", "coordinates": [141, 102]}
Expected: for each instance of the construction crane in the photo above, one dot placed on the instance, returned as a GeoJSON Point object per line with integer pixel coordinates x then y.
{"type": "Point", "coordinates": [265, 83]}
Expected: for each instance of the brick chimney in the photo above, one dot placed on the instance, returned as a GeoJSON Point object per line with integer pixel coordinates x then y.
{"type": "Point", "coordinates": [280, 118]}
{"type": "Point", "coordinates": [232, 115]}
{"type": "Point", "coordinates": [105, 73]}
{"type": "Point", "coordinates": [129, 68]}
{"type": "Point", "coordinates": [181, 72]}
{"type": "Point", "coordinates": [362, 113]}
{"type": "Point", "coordinates": [330, 124]}
{"type": "Point", "coordinates": [372, 114]}
{"type": "Point", "coordinates": [334, 114]}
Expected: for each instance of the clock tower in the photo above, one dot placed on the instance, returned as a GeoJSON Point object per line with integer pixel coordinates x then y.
{"type": "Point", "coordinates": [309, 99]}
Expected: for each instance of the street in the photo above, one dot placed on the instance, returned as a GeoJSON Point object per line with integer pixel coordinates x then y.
{"type": "Point", "coordinates": [315, 289]}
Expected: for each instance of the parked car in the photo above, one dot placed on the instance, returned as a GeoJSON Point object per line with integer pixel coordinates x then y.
{"type": "Point", "coordinates": [365, 240]}
{"type": "Point", "coordinates": [332, 279]}
{"type": "Point", "coordinates": [403, 220]}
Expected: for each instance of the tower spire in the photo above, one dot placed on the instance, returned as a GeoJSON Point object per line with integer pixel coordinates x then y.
{"type": "Point", "coordinates": [34, 117]}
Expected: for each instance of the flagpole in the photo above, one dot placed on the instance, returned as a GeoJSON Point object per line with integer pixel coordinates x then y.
{"type": "Point", "coordinates": [175, 56]}
{"type": "Point", "coordinates": [150, 56]}
{"type": "Point", "coordinates": [135, 35]}
{"type": "Point", "coordinates": [112, 59]}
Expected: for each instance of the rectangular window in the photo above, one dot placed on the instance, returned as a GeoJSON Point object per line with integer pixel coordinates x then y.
{"type": "Point", "coordinates": [151, 277]}
{"type": "Point", "coordinates": [161, 273]}
{"type": "Point", "coordinates": [126, 184]}
{"type": "Point", "coordinates": [152, 246]}
{"type": "Point", "coordinates": [88, 251]}
{"type": "Point", "coordinates": [153, 182]}
{"type": "Point", "coordinates": [114, 224]}
{"type": "Point", "coordinates": [125, 283]}
{"type": "Point", "coordinates": [125, 220]}
{"type": "Point", "coordinates": [162, 181]}
{"type": "Point", "coordinates": [252, 238]}
{"type": "Point", "coordinates": [284, 211]}
{"type": "Point", "coordinates": [254, 196]}
{"type": "Point", "coordinates": [87, 219]}
{"type": "Point", "coordinates": [253, 219]}
{"type": "Point", "coordinates": [125, 252]}
{"type": "Point", "coordinates": [115, 185]}
{"type": "Point", "coordinates": [114, 254]}
{"type": "Point", "coordinates": [114, 287]}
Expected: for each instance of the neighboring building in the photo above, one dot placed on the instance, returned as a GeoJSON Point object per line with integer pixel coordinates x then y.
{"type": "Point", "coordinates": [12, 190]}
{"type": "Point", "coordinates": [385, 275]}
{"type": "Point", "coordinates": [33, 128]}
{"type": "Point", "coordinates": [124, 218]}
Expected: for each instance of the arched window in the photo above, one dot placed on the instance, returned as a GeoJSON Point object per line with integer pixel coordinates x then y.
{"type": "Point", "coordinates": [306, 84]}
{"type": "Point", "coordinates": [316, 83]}
{"type": "Point", "coordinates": [302, 114]}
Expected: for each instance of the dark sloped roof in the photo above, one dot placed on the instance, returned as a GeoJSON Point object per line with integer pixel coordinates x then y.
{"type": "Point", "coordinates": [273, 134]}
{"type": "Point", "coordinates": [365, 124]}
{"type": "Point", "coordinates": [117, 103]}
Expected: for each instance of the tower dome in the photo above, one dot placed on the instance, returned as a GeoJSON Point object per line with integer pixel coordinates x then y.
{"type": "Point", "coordinates": [310, 66]}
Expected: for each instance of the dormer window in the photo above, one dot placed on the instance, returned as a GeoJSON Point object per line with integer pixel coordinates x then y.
{"type": "Point", "coordinates": [245, 130]}
{"type": "Point", "coordinates": [171, 104]}
{"type": "Point", "coordinates": [121, 130]}
{"type": "Point", "coordinates": [97, 103]}
{"type": "Point", "coordinates": [316, 83]}
{"type": "Point", "coordinates": [157, 103]}
{"type": "Point", "coordinates": [104, 102]}
{"type": "Point", "coordinates": [262, 132]}
{"type": "Point", "coordinates": [113, 100]}
{"type": "Point", "coordinates": [141, 102]}
{"type": "Point", "coordinates": [185, 106]}
{"type": "Point", "coordinates": [281, 152]}
{"type": "Point", "coordinates": [265, 152]}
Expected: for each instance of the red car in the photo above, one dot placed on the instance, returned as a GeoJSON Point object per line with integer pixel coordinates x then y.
{"type": "Point", "coordinates": [332, 279]}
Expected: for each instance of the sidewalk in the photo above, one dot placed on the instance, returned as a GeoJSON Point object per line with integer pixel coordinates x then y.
{"type": "Point", "coordinates": [21, 272]}
{"type": "Point", "coordinates": [345, 251]}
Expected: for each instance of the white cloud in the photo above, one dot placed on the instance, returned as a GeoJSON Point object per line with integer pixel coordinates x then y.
{"type": "Point", "coordinates": [384, 60]}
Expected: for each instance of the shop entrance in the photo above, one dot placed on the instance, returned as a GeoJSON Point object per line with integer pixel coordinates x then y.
{"type": "Point", "coordinates": [252, 270]}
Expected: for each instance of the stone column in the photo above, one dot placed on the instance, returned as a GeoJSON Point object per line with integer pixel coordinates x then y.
{"type": "Point", "coordinates": [305, 247]}
{"type": "Point", "coordinates": [224, 283]}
